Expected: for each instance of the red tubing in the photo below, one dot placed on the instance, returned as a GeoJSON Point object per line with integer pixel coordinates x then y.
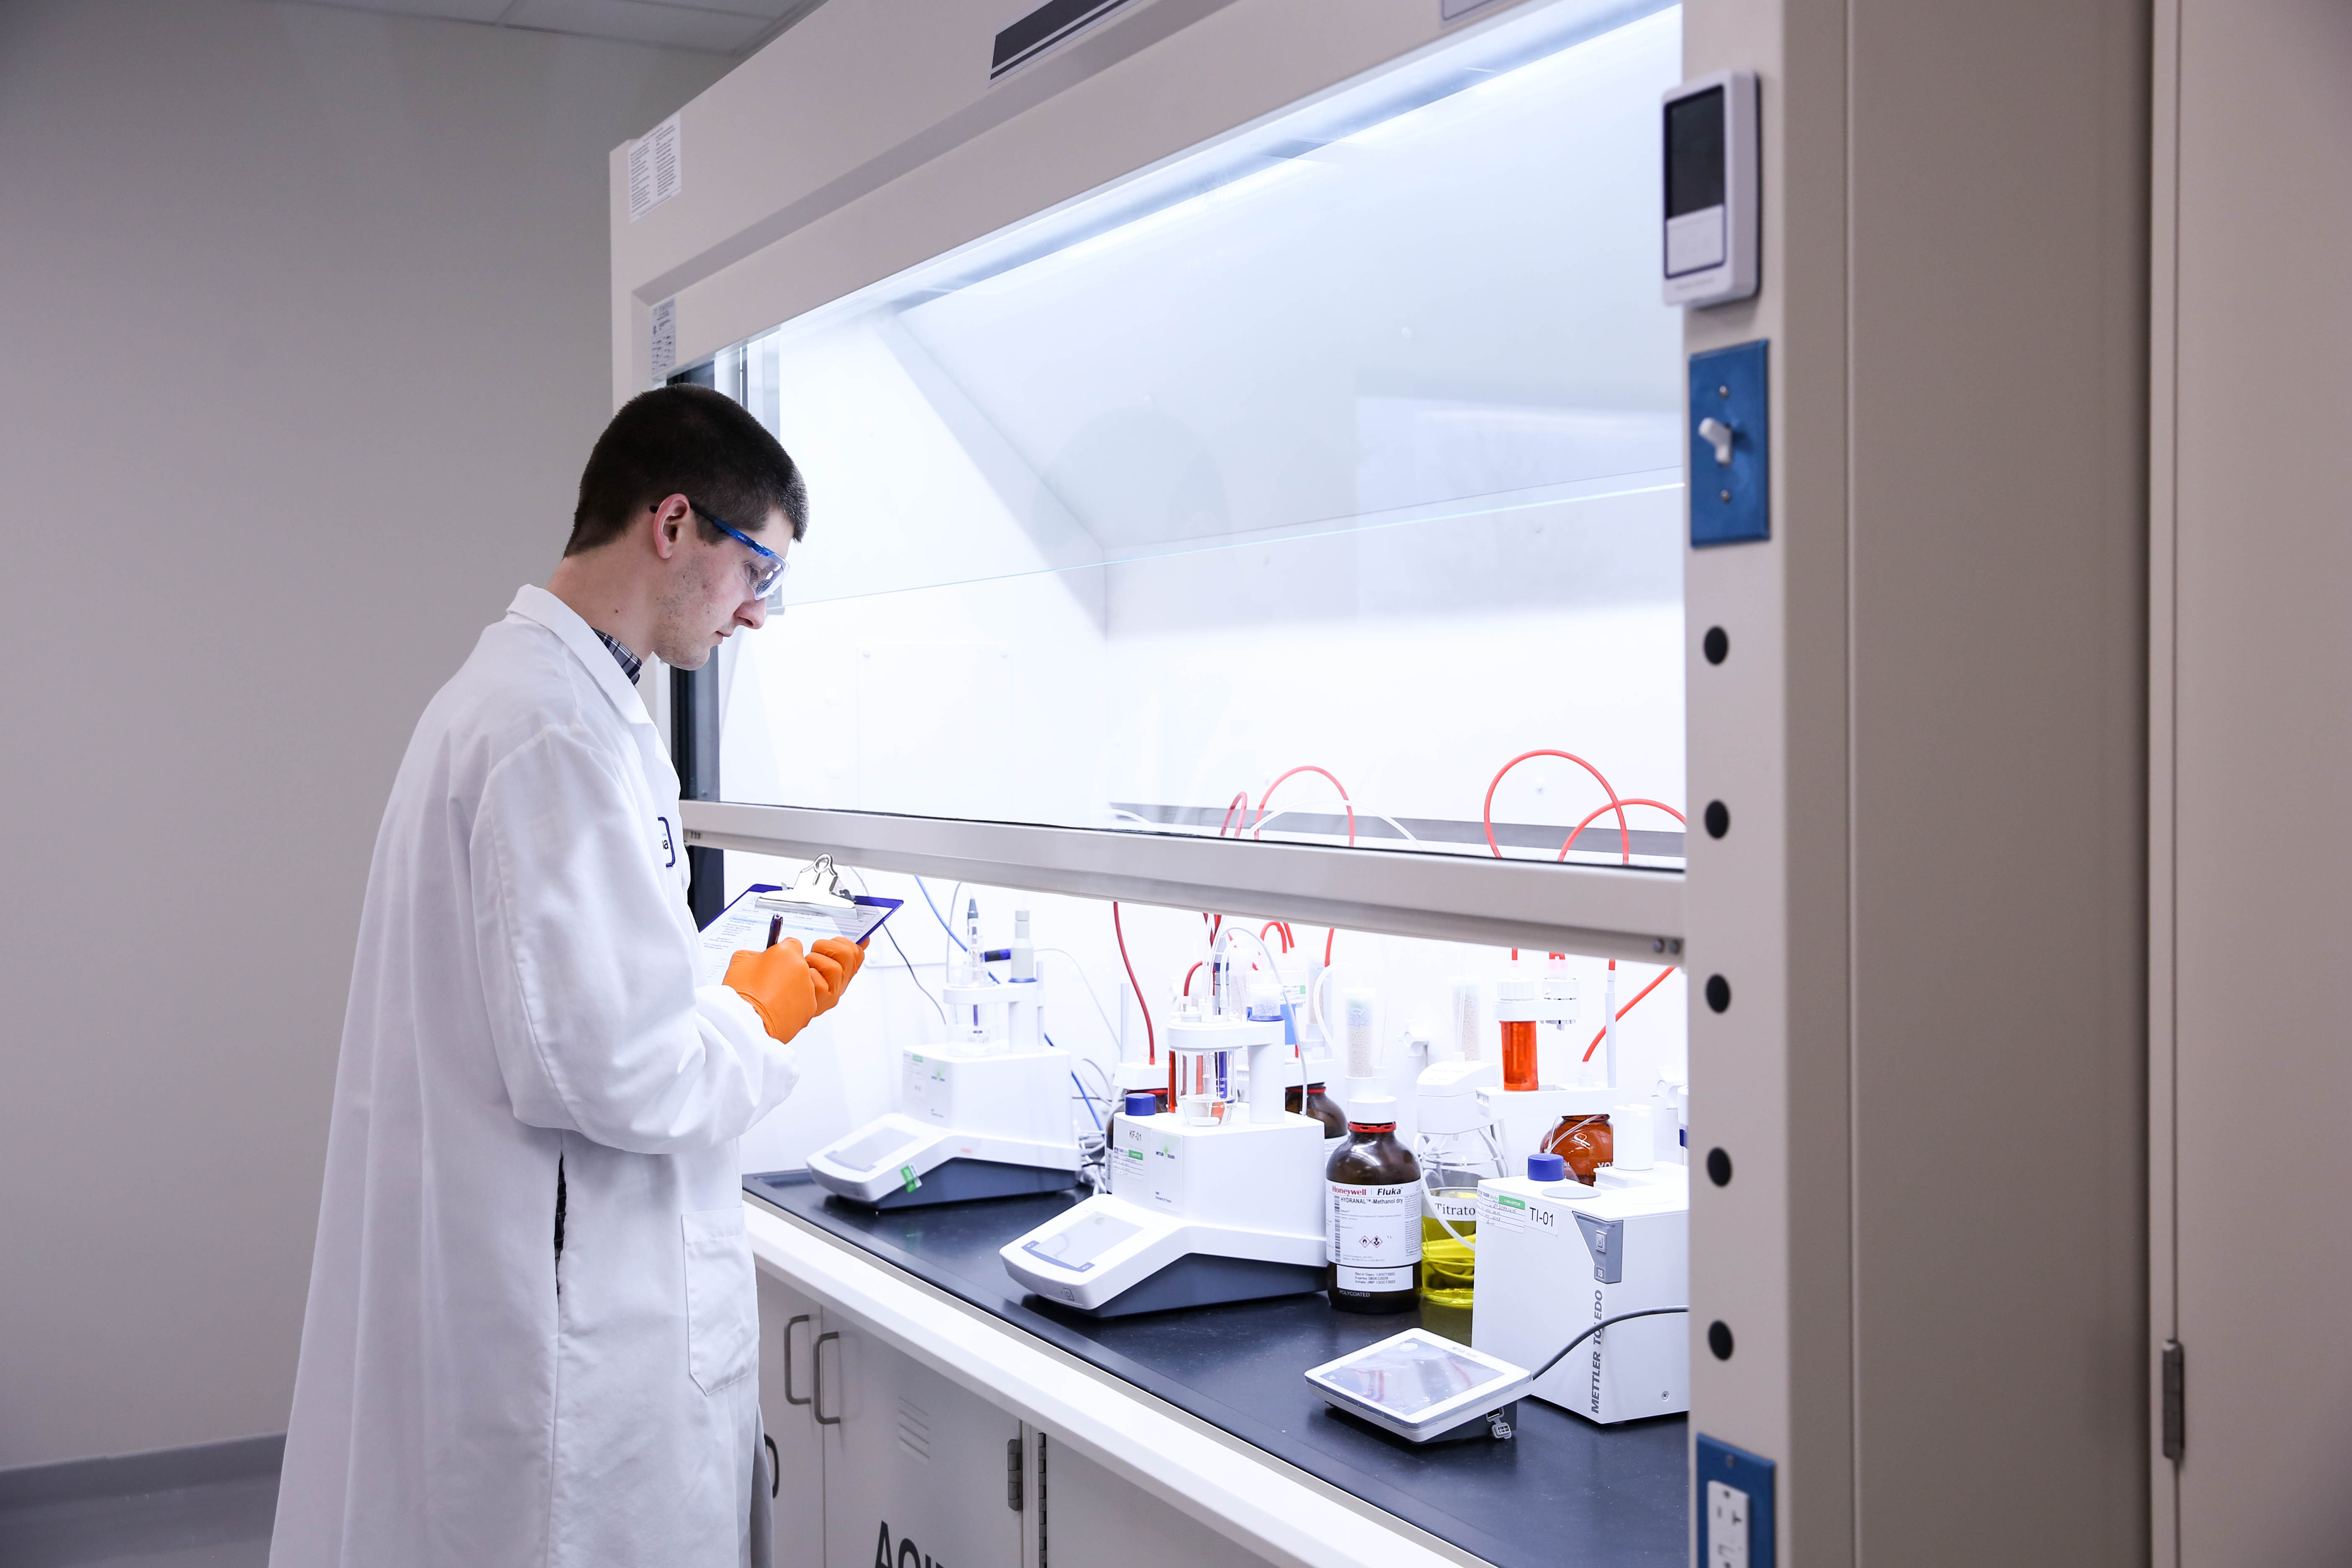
{"type": "Point", "coordinates": [1151, 1038]}
{"type": "Point", "coordinates": [1257, 828]}
{"type": "Point", "coordinates": [1624, 836]}
{"type": "Point", "coordinates": [1628, 1008]}
{"type": "Point", "coordinates": [1623, 842]}
{"type": "Point", "coordinates": [1240, 801]}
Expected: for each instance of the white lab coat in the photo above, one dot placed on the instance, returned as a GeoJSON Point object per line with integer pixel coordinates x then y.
{"type": "Point", "coordinates": [523, 994]}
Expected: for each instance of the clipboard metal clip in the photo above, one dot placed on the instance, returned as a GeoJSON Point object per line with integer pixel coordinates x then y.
{"type": "Point", "coordinates": [819, 883]}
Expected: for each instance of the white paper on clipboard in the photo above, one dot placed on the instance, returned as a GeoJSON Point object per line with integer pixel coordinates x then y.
{"type": "Point", "coordinates": [743, 925]}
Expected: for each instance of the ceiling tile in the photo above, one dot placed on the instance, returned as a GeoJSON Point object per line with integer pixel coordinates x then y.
{"type": "Point", "coordinates": [642, 22]}
{"type": "Point", "coordinates": [768, 10]}
{"type": "Point", "coordinates": [450, 10]}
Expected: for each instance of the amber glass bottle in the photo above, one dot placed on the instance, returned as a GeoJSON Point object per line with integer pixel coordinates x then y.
{"type": "Point", "coordinates": [1372, 1213]}
{"type": "Point", "coordinates": [1322, 1108]}
{"type": "Point", "coordinates": [1585, 1143]}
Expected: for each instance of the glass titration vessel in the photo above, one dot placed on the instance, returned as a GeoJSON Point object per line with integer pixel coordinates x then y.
{"type": "Point", "coordinates": [1455, 1162]}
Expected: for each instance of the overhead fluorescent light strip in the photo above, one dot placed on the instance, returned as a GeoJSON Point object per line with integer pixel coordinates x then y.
{"type": "Point", "coordinates": [1043, 29]}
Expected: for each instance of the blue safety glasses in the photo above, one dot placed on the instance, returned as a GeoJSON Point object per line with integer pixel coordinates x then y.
{"type": "Point", "coordinates": [765, 570]}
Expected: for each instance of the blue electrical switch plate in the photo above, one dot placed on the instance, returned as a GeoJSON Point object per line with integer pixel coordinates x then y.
{"type": "Point", "coordinates": [1733, 1490]}
{"type": "Point", "coordinates": [1730, 446]}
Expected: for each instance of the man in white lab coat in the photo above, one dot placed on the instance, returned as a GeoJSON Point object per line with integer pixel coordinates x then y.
{"type": "Point", "coordinates": [532, 1332]}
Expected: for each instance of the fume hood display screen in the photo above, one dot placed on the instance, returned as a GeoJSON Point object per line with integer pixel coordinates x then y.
{"type": "Point", "coordinates": [1694, 152]}
{"type": "Point", "coordinates": [1289, 490]}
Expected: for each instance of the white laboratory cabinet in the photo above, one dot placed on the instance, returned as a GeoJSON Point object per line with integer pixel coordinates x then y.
{"type": "Point", "coordinates": [914, 1459]}
{"type": "Point", "coordinates": [1251, 467]}
{"type": "Point", "coordinates": [872, 1446]}
{"type": "Point", "coordinates": [790, 1323]}
{"type": "Point", "coordinates": [880, 1457]}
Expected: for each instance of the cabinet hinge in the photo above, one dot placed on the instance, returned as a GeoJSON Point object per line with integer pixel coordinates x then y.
{"type": "Point", "coordinates": [2176, 1417]}
{"type": "Point", "coordinates": [1012, 1474]}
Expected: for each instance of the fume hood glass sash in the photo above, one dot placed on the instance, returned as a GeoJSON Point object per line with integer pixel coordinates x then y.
{"type": "Point", "coordinates": [1313, 497]}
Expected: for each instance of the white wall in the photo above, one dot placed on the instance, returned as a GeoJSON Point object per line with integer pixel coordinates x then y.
{"type": "Point", "coordinates": [305, 315]}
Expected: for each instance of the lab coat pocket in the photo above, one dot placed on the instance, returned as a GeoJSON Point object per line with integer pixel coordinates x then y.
{"type": "Point", "coordinates": [722, 1324]}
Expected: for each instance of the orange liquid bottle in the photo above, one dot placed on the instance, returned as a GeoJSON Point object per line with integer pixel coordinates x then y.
{"type": "Point", "coordinates": [1518, 1054]}
{"type": "Point", "coordinates": [1515, 1009]}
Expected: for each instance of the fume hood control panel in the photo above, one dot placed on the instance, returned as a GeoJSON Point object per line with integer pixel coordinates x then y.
{"type": "Point", "coordinates": [1709, 247]}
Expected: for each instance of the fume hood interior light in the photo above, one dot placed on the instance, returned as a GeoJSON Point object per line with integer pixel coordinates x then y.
{"type": "Point", "coordinates": [1504, 58]}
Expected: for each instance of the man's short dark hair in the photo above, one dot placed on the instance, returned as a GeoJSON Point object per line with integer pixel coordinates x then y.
{"type": "Point", "coordinates": [689, 441]}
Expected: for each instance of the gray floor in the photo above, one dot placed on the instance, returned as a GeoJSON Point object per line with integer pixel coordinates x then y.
{"type": "Point", "coordinates": [219, 1524]}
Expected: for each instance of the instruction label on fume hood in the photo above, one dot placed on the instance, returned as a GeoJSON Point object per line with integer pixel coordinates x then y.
{"type": "Point", "coordinates": [656, 168]}
{"type": "Point", "coordinates": [664, 340]}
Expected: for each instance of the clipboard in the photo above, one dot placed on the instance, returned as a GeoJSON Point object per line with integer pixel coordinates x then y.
{"type": "Point", "coordinates": [814, 907]}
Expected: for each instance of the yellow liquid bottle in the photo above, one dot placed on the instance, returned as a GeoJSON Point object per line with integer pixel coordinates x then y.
{"type": "Point", "coordinates": [1449, 1267]}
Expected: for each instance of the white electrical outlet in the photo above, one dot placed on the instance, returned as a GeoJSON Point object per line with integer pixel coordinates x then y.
{"type": "Point", "coordinates": [1727, 1526]}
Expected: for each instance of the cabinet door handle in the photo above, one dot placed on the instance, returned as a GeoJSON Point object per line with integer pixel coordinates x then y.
{"type": "Point", "coordinates": [776, 1467]}
{"type": "Point", "coordinates": [789, 1397]}
{"type": "Point", "coordinates": [816, 1359]}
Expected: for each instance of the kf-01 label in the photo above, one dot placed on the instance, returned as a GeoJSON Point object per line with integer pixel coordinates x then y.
{"type": "Point", "coordinates": [1149, 1167]}
{"type": "Point", "coordinates": [925, 1089]}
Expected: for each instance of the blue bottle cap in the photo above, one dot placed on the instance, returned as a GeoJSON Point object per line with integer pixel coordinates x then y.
{"type": "Point", "coordinates": [1142, 1103]}
{"type": "Point", "coordinates": [1547, 1168]}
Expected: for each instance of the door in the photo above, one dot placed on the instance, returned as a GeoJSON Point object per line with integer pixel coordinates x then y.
{"type": "Point", "coordinates": [1089, 1517]}
{"type": "Point", "coordinates": [788, 1330]}
{"type": "Point", "coordinates": [915, 1469]}
{"type": "Point", "coordinates": [2251, 749]}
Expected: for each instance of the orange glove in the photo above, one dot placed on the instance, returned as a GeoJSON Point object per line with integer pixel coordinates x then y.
{"type": "Point", "coordinates": [835, 962]}
{"type": "Point", "coordinates": [779, 985]}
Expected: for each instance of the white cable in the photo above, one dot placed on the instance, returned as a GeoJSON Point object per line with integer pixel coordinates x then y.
{"type": "Point", "coordinates": [906, 963]}
{"type": "Point", "coordinates": [1107, 1025]}
{"type": "Point", "coordinates": [947, 928]}
{"type": "Point", "coordinates": [1368, 815]}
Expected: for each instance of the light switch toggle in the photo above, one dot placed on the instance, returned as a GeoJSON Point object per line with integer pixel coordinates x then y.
{"type": "Point", "coordinates": [1728, 430]}
{"type": "Point", "coordinates": [1717, 435]}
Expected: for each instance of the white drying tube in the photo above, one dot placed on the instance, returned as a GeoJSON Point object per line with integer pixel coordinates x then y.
{"type": "Point", "coordinates": [1363, 1042]}
{"type": "Point", "coordinates": [1469, 1005]}
{"type": "Point", "coordinates": [1609, 1022]}
{"type": "Point", "coordinates": [1289, 1014]}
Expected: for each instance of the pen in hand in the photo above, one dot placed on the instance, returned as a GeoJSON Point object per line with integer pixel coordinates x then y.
{"type": "Point", "coordinates": [775, 928]}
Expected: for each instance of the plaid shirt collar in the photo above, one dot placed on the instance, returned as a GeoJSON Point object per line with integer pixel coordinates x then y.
{"type": "Point", "coordinates": [630, 663]}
